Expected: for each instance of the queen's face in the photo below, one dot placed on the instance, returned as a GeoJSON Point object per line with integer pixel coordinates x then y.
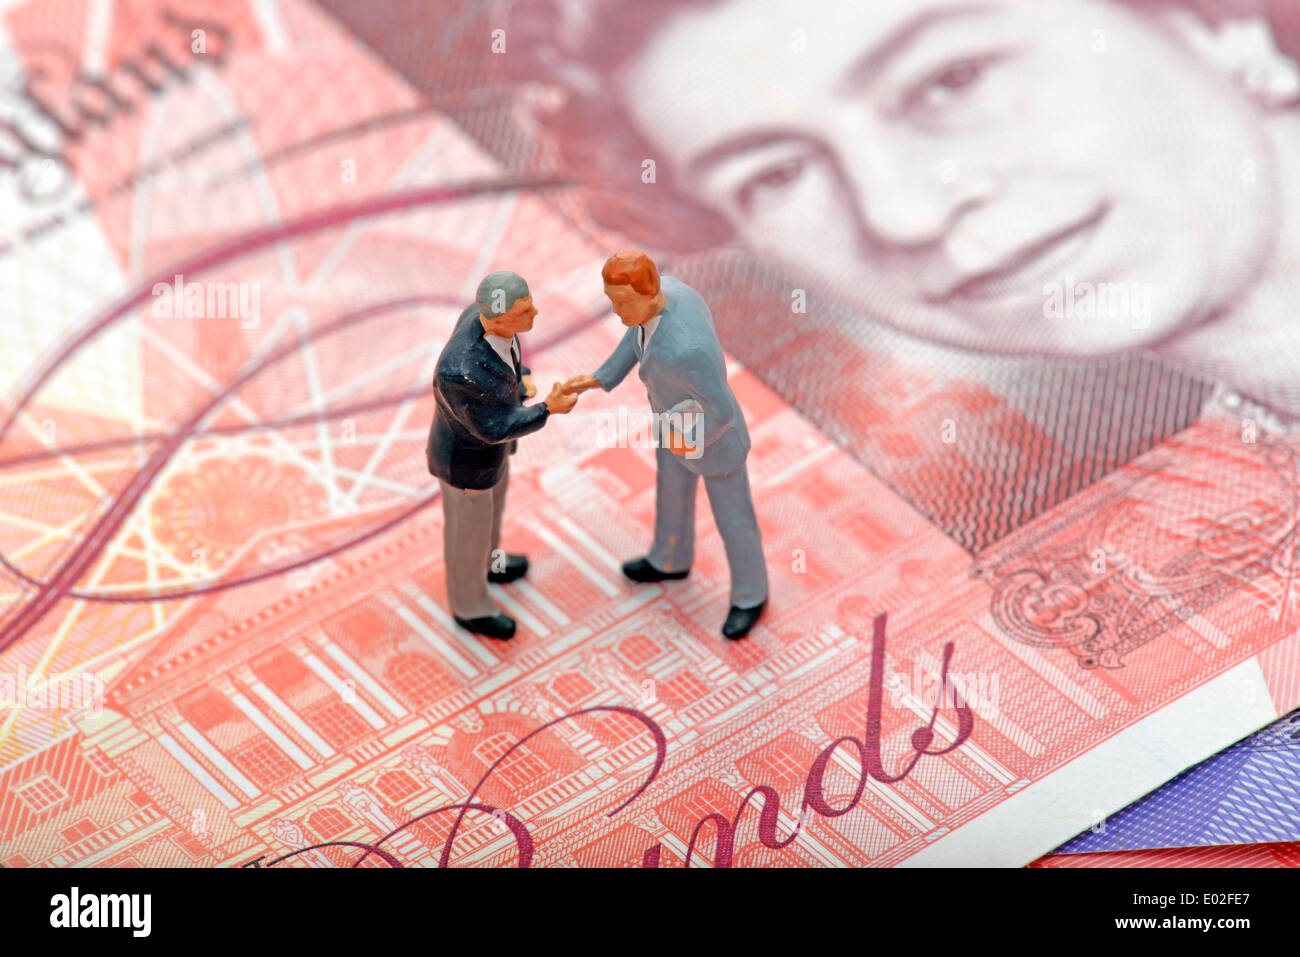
{"type": "Point", "coordinates": [1054, 176]}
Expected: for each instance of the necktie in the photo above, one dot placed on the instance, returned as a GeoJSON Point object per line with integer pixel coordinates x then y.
{"type": "Point", "coordinates": [642, 328]}
{"type": "Point", "coordinates": [514, 356]}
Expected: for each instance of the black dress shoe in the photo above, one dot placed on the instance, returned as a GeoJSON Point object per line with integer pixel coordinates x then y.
{"type": "Point", "coordinates": [740, 620]}
{"type": "Point", "coordinates": [640, 570]}
{"type": "Point", "coordinates": [516, 567]}
{"type": "Point", "coordinates": [494, 626]}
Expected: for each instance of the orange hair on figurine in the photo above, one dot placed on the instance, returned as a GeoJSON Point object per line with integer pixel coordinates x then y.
{"type": "Point", "coordinates": [631, 267]}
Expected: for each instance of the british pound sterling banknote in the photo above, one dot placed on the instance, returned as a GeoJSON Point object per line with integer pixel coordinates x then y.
{"type": "Point", "coordinates": [1246, 794]}
{"type": "Point", "coordinates": [1009, 595]}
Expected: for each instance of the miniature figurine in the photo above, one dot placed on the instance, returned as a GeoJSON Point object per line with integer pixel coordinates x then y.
{"type": "Point", "coordinates": [479, 385]}
{"type": "Point", "coordinates": [671, 335]}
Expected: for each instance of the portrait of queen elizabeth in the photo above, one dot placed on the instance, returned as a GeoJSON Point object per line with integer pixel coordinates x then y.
{"type": "Point", "coordinates": [1049, 178]}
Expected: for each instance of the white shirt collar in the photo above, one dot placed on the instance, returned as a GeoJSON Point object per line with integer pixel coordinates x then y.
{"type": "Point", "coordinates": [650, 325]}
{"type": "Point", "coordinates": [504, 347]}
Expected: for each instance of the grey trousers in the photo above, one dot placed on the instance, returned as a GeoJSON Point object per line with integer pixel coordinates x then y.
{"type": "Point", "coordinates": [733, 511]}
{"type": "Point", "coordinates": [471, 533]}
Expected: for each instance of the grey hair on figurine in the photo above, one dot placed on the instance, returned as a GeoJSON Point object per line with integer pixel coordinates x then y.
{"type": "Point", "coordinates": [499, 291]}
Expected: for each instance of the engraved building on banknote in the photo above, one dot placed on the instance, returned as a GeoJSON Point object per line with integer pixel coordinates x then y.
{"type": "Point", "coordinates": [347, 707]}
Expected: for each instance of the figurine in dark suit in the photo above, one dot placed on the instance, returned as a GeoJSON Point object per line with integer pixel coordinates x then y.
{"type": "Point", "coordinates": [479, 386]}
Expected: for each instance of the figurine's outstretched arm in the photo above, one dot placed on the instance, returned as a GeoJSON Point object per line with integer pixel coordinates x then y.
{"type": "Point", "coordinates": [620, 362]}
{"type": "Point", "coordinates": [491, 422]}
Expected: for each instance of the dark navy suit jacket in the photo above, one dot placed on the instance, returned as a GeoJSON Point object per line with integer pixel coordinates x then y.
{"type": "Point", "coordinates": [479, 410]}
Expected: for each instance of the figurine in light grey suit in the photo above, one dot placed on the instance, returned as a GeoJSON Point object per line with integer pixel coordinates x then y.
{"type": "Point", "coordinates": [702, 429]}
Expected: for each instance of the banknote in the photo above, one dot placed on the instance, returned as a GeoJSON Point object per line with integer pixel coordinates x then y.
{"type": "Point", "coordinates": [900, 251]}
{"type": "Point", "coordinates": [983, 344]}
{"type": "Point", "coordinates": [1246, 794]}
{"type": "Point", "coordinates": [236, 239]}
{"type": "Point", "coordinates": [1280, 854]}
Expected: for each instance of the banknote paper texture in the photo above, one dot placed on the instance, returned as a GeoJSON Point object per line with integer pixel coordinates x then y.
{"type": "Point", "coordinates": [225, 640]}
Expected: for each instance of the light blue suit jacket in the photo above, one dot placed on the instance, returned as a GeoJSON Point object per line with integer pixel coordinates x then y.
{"type": "Point", "coordinates": [683, 370]}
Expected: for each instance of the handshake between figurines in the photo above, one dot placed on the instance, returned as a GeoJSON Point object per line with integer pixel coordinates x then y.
{"type": "Point", "coordinates": [560, 400]}
{"type": "Point", "coordinates": [580, 384]}
{"type": "Point", "coordinates": [480, 384]}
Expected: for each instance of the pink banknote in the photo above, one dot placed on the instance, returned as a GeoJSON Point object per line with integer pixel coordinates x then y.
{"type": "Point", "coordinates": [230, 263]}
